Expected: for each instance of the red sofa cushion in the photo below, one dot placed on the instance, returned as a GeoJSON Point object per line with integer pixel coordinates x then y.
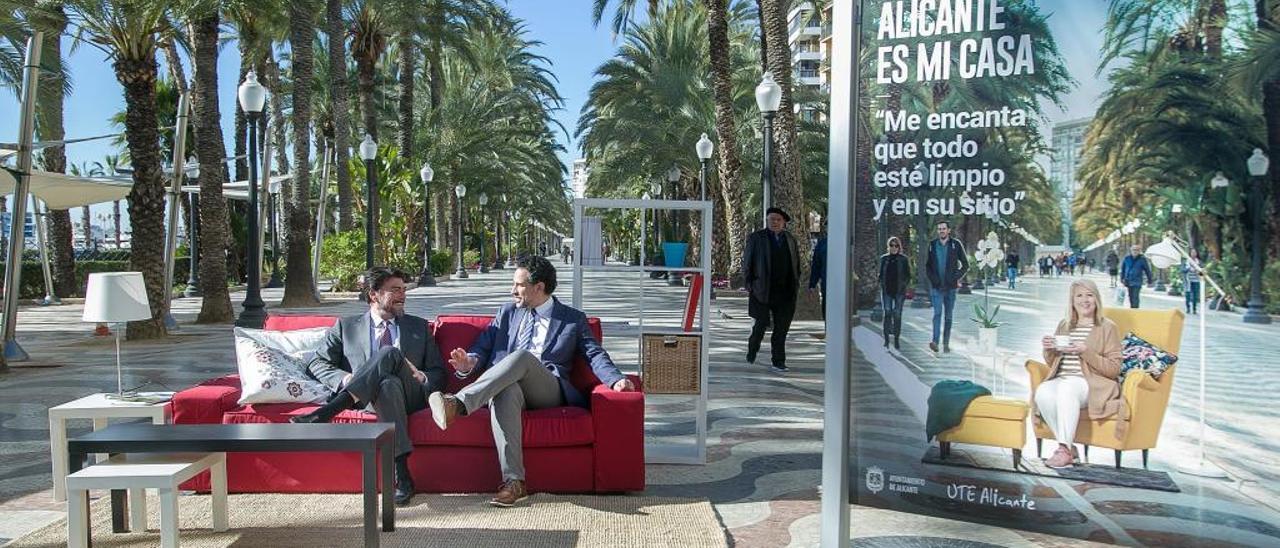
{"type": "Point", "coordinates": [277, 322]}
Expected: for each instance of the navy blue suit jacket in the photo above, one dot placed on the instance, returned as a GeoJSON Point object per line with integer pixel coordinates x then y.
{"type": "Point", "coordinates": [567, 338]}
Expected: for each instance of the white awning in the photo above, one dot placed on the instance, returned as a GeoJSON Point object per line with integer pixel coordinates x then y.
{"type": "Point", "coordinates": [238, 190]}
{"type": "Point", "coordinates": [61, 191]}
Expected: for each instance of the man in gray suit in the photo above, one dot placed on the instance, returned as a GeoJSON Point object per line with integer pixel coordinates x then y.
{"type": "Point", "coordinates": [524, 358]}
{"type": "Point", "coordinates": [385, 360]}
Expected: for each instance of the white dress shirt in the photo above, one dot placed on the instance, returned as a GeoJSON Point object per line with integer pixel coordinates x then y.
{"type": "Point", "coordinates": [376, 327]}
{"type": "Point", "coordinates": [541, 328]}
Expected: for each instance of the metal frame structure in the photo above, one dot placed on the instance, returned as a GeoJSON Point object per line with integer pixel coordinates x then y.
{"type": "Point", "coordinates": [670, 453]}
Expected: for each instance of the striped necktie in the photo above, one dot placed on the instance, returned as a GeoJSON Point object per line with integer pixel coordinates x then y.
{"type": "Point", "coordinates": [524, 340]}
{"type": "Point", "coordinates": [385, 340]}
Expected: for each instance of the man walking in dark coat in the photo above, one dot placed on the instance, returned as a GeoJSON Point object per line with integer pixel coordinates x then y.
{"type": "Point", "coordinates": [771, 271]}
{"type": "Point", "coordinates": [947, 263]}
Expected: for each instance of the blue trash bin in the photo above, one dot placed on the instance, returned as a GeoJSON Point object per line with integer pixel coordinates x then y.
{"type": "Point", "coordinates": [673, 253]}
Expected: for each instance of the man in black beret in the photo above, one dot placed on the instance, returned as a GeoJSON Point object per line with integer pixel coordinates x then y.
{"type": "Point", "coordinates": [771, 272]}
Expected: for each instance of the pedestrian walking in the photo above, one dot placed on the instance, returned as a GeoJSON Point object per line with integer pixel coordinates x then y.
{"type": "Point", "coordinates": [895, 276]}
{"type": "Point", "coordinates": [1133, 268]}
{"type": "Point", "coordinates": [1191, 282]}
{"type": "Point", "coordinates": [771, 271]}
{"type": "Point", "coordinates": [1113, 265]}
{"type": "Point", "coordinates": [818, 275]}
{"type": "Point", "coordinates": [945, 266]}
{"type": "Point", "coordinates": [1011, 263]}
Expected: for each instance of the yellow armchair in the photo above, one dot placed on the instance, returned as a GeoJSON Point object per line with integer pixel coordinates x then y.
{"type": "Point", "coordinates": [1146, 397]}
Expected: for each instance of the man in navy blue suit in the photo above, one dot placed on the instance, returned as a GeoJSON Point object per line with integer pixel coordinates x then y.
{"type": "Point", "coordinates": [524, 358]}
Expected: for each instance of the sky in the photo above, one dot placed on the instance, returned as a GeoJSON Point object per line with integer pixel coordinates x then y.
{"type": "Point", "coordinates": [574, 47]}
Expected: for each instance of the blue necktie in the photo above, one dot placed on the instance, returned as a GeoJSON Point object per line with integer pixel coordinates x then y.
{"type": "Point", "coordinates": [524, 340]}
{"type": "Point", "coordinates": [385, 340]}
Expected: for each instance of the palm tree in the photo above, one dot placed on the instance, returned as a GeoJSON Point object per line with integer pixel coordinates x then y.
{"type": "Point", "coordinates": [368, 34]}
{"type": "Point", "coordinates": [215, 307]}
{"type": "Point", "coordinates": [621, 14]}
{"type": "Point", "coordinates": [128, 31]}
{"type": "Point", "coordinates": [728, 164]}
{"type": "Point", "coordinates": [335, 27]}
{"type": "Point", "coordinates": [299, 286]}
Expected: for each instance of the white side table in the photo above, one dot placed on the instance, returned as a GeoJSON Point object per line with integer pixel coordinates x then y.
{"type": "Point", "coordinates": [98, 408]}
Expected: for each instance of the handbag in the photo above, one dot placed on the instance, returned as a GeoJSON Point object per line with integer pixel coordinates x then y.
{"type": "Point", "coordinates": [1121, 293]}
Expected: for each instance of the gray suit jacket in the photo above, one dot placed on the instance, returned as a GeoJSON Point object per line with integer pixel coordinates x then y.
{"type": "Point", "coordinates": [346, 349]}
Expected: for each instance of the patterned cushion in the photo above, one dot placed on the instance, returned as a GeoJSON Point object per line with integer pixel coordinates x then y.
{"type": "Point", "coordinates": [1142, 355]}
{"type": "Point", "coordinates": [273, 366]}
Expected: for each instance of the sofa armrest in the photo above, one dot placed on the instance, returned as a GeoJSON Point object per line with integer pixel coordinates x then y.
{"type": "Point", "coordinates": [205, 403]}
{"type": "Point", "coordinates": [1038, 371]}
{"type": "Point", "coordinates": [618, 419]}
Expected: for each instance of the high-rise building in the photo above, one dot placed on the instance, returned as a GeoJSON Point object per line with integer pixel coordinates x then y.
{"type": "Point", "coordinates": [579, 180]}
{"type": "Point", "coordinates": [1067, 149]}
{"type": "Point", "coordinates": [809, 51]}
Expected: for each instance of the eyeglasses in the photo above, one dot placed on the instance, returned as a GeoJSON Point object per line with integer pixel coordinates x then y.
{"type": "Point", "coordinates": [894, 245]}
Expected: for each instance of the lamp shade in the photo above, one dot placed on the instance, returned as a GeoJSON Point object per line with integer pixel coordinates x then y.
{"type": "Point", "coordinates": [1164, 254]}
{"type": "Point", "coordinates": [1258, 163]}
{"type": "Point", "coordinates": [705, 147]}
{"type": "Point", "coordinates": [1219, 181]}
{"type": "Point", "coordinates": [768, 94]}
{"type": "Point", "coordinates": [115, 297]}
{"type": "Point", "coordinates": [368, 148]}
{"type": "Point", "coordinates": [673, 173]}
{"type": "Point", "coordinates": [484, 199]}
{"type": "Point", "coordinates": [251, 94]}
{"type": "Point", "coordinates": [427, 173]}
{"type": "Point", "coordinates": [460, 190]}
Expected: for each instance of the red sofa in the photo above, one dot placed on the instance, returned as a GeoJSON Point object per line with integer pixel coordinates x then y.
{"type": "Point", "coordinates": [566, 449]}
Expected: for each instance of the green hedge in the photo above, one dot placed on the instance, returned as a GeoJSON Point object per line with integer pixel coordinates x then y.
{"type": "Point", "coordinates": [33, 277]}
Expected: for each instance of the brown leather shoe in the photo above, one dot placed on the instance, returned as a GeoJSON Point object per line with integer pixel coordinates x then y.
{"type": "Point", "coordinates": [444, 408]}
{"type": "Point", "coordinates": [510, 493]}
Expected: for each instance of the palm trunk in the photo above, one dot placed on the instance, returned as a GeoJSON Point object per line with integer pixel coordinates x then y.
{"type": "Point", "coordinates": [215, 307]}
{"type": "Point", "coordinates": [278, 121]}
{"type": "Point", "coordinates": [146, 200]}
{"type": "Point", "coordinates": [365, 67]}
{"type": "Point", "coordinates": [115, 219]}
{"type": "Point", "coordinates": [299, 289]}
{"type": "Point", "coordinates": [242, 124]}
{"type": "Point", "coordinates": [174, 61]}
{"type": "Point", "coordinates": [728, 165]}
{"type": "Point", "coordinates": [86, 220]}
{"type": "Point", "coordinates": [335, 27]}
{"type": "Point", "coordinates": [787, 190]}
{"type": "Point", "coordinates": [407, 61]}
{"type": "Point", "coordinates": [54, 159]}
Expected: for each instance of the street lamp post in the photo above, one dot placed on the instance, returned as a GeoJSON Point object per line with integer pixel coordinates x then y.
{"type": "Point", "coordinates": [252, 97]}
{"type": "Point", "coordinates": [655, 190]}
{"type": "Point", "coordinates": [273, 192]}
{"type": "Point", "coordinates": [768, 98]}
{"type": "Point", "coordinates": [1257, 164]}
{"type": "Point", "coordinates": [368, 153]}
{"type": "Point", "coordinates": [426, 278]}
{"type": "Point", "coordinates": [497, 234]}
{"type": "Point", "coordinates": [506, 231]}
{"type": "Point", "coordinates": [193, 244]}
{"type": "Point", "coordinates": [704, 148]}
{"type": "Point", "coordinates": [460, 190]}
{"type": "Point", "coordinates": [484, 201]}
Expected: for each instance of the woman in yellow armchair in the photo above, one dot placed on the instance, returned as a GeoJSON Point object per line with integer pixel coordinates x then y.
{"type": "Point", "coordinates": [1084, 356]}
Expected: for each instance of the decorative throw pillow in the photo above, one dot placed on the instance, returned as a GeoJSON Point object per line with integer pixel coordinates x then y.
{"type": "Point", "coordinates": [273, 366]}
{"type": "Point", "coordinates": [1138, 354]}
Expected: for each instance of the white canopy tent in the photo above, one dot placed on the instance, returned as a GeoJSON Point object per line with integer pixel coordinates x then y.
{"type": "Point", "coordinates": [59, 191]}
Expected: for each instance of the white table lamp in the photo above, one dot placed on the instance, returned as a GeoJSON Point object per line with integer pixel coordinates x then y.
{"type": "Point", "coordinates": [116, 297]}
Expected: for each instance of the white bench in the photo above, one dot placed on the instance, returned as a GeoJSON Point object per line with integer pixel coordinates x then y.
{"type": "Point", "coordinates": [138, 471]}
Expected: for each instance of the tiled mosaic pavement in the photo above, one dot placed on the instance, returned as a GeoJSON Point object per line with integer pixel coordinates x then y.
{"type": "Point", "coordinates": [765, 430]}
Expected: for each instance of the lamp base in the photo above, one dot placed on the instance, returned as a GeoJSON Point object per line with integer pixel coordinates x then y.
{"type": "Point", "coordinates": [1202, 468]}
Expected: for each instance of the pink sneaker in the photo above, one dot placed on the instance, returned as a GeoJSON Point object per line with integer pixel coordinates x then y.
{"type": "Point", "coordinates": [1061, 459]}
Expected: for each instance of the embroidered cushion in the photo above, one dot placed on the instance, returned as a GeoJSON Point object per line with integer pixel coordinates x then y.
{"type": "Point", "coordinates": [1138, 354]}
{"type": "Point", "coordinates": [273, 366]}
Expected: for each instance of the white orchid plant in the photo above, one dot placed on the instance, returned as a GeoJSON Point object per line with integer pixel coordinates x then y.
{"type": "Point", "coordinates": [987, 257]}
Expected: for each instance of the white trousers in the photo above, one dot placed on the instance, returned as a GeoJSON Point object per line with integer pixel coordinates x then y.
{"type": "Point", "coordinates": [1060, 401]}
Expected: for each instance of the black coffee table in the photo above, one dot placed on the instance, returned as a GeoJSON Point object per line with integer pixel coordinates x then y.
{"type": "Point", "coordinates": [367, 439]}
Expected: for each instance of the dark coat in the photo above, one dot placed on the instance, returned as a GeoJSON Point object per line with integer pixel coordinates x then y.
{"type": "Point", "coordinates": [346, 347]}
{"type": "Point", "coordinates": [567, 338]}
{"type": "Point", "coordinates": [1133, 269]}
{"type": "Point", "coordinates": [896, 268]}
{"type": "Point", "coordinates": [957, 265]}
{"type": "Point", "coordinates": [818, 268]}
{"type": "Point", "coordinates": [756, 261]}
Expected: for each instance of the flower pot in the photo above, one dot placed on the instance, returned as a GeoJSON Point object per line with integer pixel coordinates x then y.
{"type": "Point", "coordinates": [987, 340]}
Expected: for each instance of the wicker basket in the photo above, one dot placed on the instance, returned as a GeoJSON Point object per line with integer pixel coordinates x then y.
{"type": "Point", "coordinates": [671, 364]}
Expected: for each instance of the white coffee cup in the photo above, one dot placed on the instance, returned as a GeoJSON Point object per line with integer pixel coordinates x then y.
{"type": "Point", "coordinates": [1062, 341]}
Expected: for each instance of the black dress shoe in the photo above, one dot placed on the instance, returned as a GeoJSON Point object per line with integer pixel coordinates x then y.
{"type": "Point", "coordinates": [751, 357]}
{"type": "Point", "coordinates": [313, 417]}
{"type": "Point", "coordinates": [404, 490]}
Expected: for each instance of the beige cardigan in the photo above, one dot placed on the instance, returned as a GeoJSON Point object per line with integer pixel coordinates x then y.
{"type": "Point", "coordinates": [1100, 365]}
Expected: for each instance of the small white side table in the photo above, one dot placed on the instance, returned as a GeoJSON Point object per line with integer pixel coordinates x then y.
{"type": "Point", "coordinates": [99, 409]}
